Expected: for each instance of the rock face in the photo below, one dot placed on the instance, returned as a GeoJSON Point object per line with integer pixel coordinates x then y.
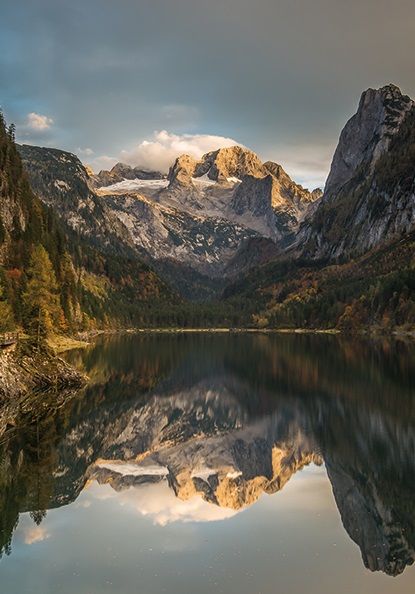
{"type": "Point", "coordinates": [369, 194]}
{"type": "Point", "coordinates": [233, 162]}
{"type": "Point", "coordinates": [121, 172]}
{"type": "Point", "coordinates": [61, 181]}
{"type": "Point", "coordinates": [367, 135]}
{"type": "Point", "coordinates": [219, 166]}
{"type": "Point", "coordinates": [162, 232]}
{"type": "Point", "coordinates": [20, 374]}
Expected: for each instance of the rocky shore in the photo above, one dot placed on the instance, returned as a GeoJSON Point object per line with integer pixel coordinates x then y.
{"type": "Point", "coordinates": [23, 371]}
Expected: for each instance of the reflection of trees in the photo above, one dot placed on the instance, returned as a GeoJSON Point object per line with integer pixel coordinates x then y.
{"type": "Point", "coordinates": [9, 514]}
{"type": "Point", "coordinates": [32, 452]}
{"type": "Point", "coordinates": [28, 461]}
{"type": "Point", "coordinates": [42, 459]}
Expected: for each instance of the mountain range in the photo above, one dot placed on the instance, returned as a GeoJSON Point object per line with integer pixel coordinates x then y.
{"type": "Point", "coordinates": [233, 228]}
{"type": "Point", "coordinates": [196, 220]}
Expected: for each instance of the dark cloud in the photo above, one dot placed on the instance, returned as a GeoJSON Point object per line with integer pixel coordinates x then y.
{"type": "Point", "coordinates": [279, 77]}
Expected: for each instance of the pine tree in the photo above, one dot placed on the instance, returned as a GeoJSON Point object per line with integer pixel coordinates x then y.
{"type": "Point", "coordinates": [41, 300]}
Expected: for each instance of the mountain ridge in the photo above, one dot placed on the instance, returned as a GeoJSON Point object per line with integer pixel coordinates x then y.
{"type": "Point", "coordinates": [198, 222]}
{"type": "Point", "coordinates": [227, 220]}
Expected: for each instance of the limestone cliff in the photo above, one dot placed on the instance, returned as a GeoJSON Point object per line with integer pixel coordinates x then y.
{"type": "Point", "coordinates": [367, 135]}
{"type": "Point", "coordinates": [369, 196]}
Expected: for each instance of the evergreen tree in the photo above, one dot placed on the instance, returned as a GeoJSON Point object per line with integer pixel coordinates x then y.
{"type": "Point", "coordinates": [41, 300]}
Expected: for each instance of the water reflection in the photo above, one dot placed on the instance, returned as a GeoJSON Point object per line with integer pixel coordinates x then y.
{"type": "Point", "coordinates": [197, 428]}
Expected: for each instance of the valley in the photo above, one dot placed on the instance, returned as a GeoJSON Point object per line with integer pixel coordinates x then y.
{"type": "Point", "coordinates": [231, 241]}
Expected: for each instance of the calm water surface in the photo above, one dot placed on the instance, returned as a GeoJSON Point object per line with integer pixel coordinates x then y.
{"type": "Point", "coordinates": [216, 463]}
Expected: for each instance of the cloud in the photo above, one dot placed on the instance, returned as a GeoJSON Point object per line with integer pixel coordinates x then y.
{"type": "Point", "coordinates": [159, 502]}
{"type": "Point", "coordinates": [85, 151]}
{"type": "Point", "coordinates": [36, 121]}
{"type": "Point", "coordinates": [35, 534]}
{"type": "Point", "coordinates": [160, 152]}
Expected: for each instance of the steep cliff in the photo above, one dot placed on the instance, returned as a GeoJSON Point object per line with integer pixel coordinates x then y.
{"type": "Point", "coordinates": [369, 195]}
{"type": "Point", "coordinates": [62, 182]}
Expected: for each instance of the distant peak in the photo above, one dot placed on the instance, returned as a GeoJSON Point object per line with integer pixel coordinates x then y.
{"type": "Point", "coordinates": [391, 88]}
{"type": "Point", "coordinates": [234, 161]}
{"type": "Point", "coordinates": [235, 150]}
{"type": "Point", "coordinates": [383, 95]}
{"type": "Point", "coordinates": [367, 135]}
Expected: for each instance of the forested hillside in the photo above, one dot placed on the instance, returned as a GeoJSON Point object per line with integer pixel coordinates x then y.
{"type": "Point", "coordinates": [51, 277]}
{"type": "Point", "coordinates": [375, 291]}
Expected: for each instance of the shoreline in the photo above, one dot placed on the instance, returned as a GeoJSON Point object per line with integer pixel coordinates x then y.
{"type": "Point", "coordinates": [367, 333]}
{"type": "Point", "coordinates": [27, 377]}
{"type": "Point", "coordinates": [331, 331]}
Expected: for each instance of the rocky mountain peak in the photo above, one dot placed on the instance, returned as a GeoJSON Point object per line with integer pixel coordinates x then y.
{"type": "Point", "coordinates": [285, 189]}
{"type": "Point", "coordinates": [367, 135]}
{"type": "Point", "coordinates": [182, 170]}
{"type": "Point", "coordinates": [219, 166]}
{"type": "Point", "coordinates": [232, 162]}
{"type": "Point", "coordinates": [368, 199]}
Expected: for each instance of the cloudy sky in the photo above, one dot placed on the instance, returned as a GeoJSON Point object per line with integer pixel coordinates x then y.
{"type": "Point", "coordinates": [143, 80]}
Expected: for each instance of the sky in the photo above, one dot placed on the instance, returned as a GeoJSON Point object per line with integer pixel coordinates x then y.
{"type": "Point", "coordinates": [141, 82]}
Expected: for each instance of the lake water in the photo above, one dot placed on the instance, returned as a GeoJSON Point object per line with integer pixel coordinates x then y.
{"type": "Point", "coordinates": [217, 463]}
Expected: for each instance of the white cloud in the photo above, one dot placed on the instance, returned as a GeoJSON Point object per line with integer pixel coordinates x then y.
{"type": "Point", "coordinates": [85, 151]}
{"type": "Point", "coordinates": [36, 121]}
{"type": "Point", "coordinates": [35, 534]}
{"type": "Point", "coordinates": [160, 152]}
{"type": "Point", "coordinates": [159, 502]}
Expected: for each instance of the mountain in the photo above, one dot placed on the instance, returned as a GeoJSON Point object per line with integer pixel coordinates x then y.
{"type": "Point", "coordinates": [230, 224]}
{"type": "Point", "coordinates": [61, 181]}
{"type": "Point", "coordinates": [99, 277]}
{"type": "Point", "coordinates": [190, 226]}
{"type": "Point", "coordinates": [351, 263]}
{"type": "Point", "coordinates": [235, 184]}
{"type": "Point", "coordinates": [27, 225]}
{"type": "Point", "coordinates": [369, 198]}
{"type": "Point", "coordinates": [121, 172]}
{"type": "Point", "coordinates": [207, 212]}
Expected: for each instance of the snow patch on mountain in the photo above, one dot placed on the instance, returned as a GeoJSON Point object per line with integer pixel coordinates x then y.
{"type": "Point", "coordinates": [135, 185]}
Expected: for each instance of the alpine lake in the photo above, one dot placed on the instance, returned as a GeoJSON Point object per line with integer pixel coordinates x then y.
{"type": "Point", "coordinates": [217, 462]}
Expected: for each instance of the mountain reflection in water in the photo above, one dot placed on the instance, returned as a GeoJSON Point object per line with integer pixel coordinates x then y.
{"type": "Point", "coordinates": [227, 418]}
